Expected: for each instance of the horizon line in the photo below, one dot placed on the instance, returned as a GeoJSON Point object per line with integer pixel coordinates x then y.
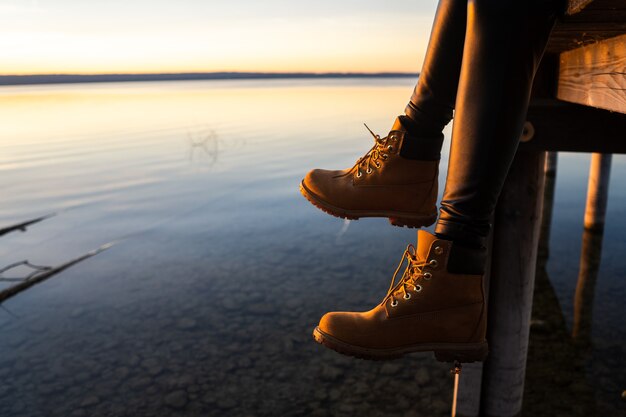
{"type": "Point", "coordinates": [31, 79]}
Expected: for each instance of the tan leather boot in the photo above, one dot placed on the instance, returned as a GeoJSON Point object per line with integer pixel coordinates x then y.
{"type": "Point", "coordinates": [428, 309]}
{"type": "Point", "coordinates": [381, 184]}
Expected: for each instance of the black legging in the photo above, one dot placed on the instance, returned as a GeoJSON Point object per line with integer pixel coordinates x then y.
{"type": "Point", "coordinates": [481, 60]}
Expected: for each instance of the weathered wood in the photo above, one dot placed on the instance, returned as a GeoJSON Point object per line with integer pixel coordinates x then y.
{"type": "Point", "coordinates": [561, 126]}
{"type": "Point", "coordinates": [543, 249]}
{"type": "Point", "coordinates": [595, 75]}
{"type": "Point", "coordinates": [591, 252]}
{"type": "Point", "coordinates": [597, 191]}
{"type": "Point", "coordinates": [575, 6]}
{"type": "Point", "coordinates": [600, 19]}
{"type": "Point", "coordinates": [515, 237]}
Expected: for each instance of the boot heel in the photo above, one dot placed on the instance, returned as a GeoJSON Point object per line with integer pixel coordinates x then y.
{"type": "Point", "coordinates": [466, 354]}
{"type": "Point", "coordinates": [413, 222]}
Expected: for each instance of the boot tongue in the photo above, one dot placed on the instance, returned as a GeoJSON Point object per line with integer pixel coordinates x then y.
{"type": "Point", "coordinates": [424, 241]}
{"type": "Point", "coordinates": [397, 125]}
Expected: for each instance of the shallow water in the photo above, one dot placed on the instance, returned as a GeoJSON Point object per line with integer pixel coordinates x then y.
{"type": "Point", "coordinates": [219, 270]}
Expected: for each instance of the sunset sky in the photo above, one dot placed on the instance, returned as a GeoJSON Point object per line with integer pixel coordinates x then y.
{"type": "Point", "coordinates": [121, 36]}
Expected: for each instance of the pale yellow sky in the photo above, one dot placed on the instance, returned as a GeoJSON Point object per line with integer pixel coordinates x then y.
{"type": "Point", "coordinates": [120, 36]}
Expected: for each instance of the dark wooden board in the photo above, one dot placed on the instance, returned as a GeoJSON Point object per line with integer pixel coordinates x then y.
{"type": "Point", "coordinates": [561, 126]}
{"type": "Point", "coordinates": [600, 19]}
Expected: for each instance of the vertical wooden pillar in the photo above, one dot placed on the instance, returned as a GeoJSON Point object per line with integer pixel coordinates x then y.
{"type": "Point", "coordinates": [591, 252]}
{"type": "Point", "coordinates": [548, 204]}
{"type": "Point", "coordinates": [514, 256]}
{"type": "Point", "coordinates": [597, 191]}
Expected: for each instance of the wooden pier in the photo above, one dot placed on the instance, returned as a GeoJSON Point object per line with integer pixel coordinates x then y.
{"type": "Point", "coordinates": [578, 105]}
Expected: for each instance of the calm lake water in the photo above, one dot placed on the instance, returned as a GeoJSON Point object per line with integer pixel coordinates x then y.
{"type": "Point", "coordinates": [220, 270]}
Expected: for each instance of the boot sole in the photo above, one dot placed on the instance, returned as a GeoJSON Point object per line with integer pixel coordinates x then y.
{"type": "Point", "coordinates": [395, 218]}
{"type": "Point", "coordinates": [444, 352]}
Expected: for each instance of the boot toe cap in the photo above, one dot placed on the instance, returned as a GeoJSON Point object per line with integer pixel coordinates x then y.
{"type": "Point", "coordinates": [322, 182]}
{"type": "Point", "coordinates": [343, 326]}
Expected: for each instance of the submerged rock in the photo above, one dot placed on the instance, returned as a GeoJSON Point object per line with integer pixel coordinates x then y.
{"type": "Point", "coordinates": [176, 399]}
{"type": "Point", "coordinates": [186, 323]}
{"type": "Point", "coordinates": [90, 401]}
{"type": "Point", "coordinates": [422, 377]}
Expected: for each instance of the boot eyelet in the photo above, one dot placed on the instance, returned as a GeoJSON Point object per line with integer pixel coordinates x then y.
{"type": "Point", "coordinates": [369, 171]}
{"type": "Point", "coordinates": [394, 303]}
{"type": "Point", "coordinates": [407, 296]}
{"type": "Point", "coordinates": [427, 276]}
{"type": "Point", "coordinates": [385, 156]}
{"type": "Point", "coordinates": [359, 174]}
{"type": "Point", "coordinates": [418, 288]}
{"type": "Point", "coordinates": [377, 164]}
{"type": "Point", "coordinates": [438, 250]}
{"type": "Point", "coordinates": [433, 263]}
{"type": "Point", "coordinates": [390, 148]}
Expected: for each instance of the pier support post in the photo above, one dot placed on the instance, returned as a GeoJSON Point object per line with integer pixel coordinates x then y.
{"type": "Point", "coordinates": [514, 256]}
{"type": "Point", "coordinates": [548, 204]}
{"type": "Point", "coordinates": [591, 252]}
{"type": "Point", "coordinates": [597, 191]}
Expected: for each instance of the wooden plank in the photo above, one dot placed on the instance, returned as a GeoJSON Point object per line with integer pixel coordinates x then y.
{"type": "Point", "coordinates": [598, 20]}
{"type": "Point", "coordinates": [515, 238]}
{"type": "Point", "coordinates": [560, 126]}
{"type": "Point", "coordinates": [595, 75]}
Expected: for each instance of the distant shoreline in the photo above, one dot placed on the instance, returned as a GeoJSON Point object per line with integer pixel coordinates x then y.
{"type": "Point", "coordinates": [7, 80]}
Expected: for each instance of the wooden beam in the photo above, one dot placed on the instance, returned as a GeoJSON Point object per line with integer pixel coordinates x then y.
{"type": "Point", "coordinates": [560, 126]}
{"type": "Point", "coordinates": [586, 22]}
{"type": "Point", "coordinates": [595, 75]}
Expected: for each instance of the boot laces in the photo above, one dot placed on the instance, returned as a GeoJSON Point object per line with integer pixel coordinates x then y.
{"type": "Point", "coordinates": [412, 273]}
{"type": "Point", "coordinates": [372, 158]}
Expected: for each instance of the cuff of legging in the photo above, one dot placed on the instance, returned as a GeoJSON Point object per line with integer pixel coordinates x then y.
{"type": "Point", "coordinates": [462, 232]}
{"type": "Point", "coordinates": [411, 111]}
{"type": "Point", "coordinates": [436, 115]}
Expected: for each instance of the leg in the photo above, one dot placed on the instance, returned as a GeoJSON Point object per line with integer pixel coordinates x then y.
{"type": "Point", "coordinates": [432, 102]}
{"type": "Point", "coordinates": [503, 46]}
{"type": "Point", "coordinates": [438, 304]}
{"type": "Point", "coordinates": [397, 178]}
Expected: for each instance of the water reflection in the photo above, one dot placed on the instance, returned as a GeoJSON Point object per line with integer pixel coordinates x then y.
{"type": "Point", "coordinates": [585, 288]}
{"type": "Point", "coordinates": [557, 381]}
{"type": "Point", "coordinates": [22, 226]}
{"type": "Point", "coordinates": [209, 309]}
{"type": "Point", "coordinates": [558, 376]}
{"type": "Point", "coordinates": [203, 147]}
